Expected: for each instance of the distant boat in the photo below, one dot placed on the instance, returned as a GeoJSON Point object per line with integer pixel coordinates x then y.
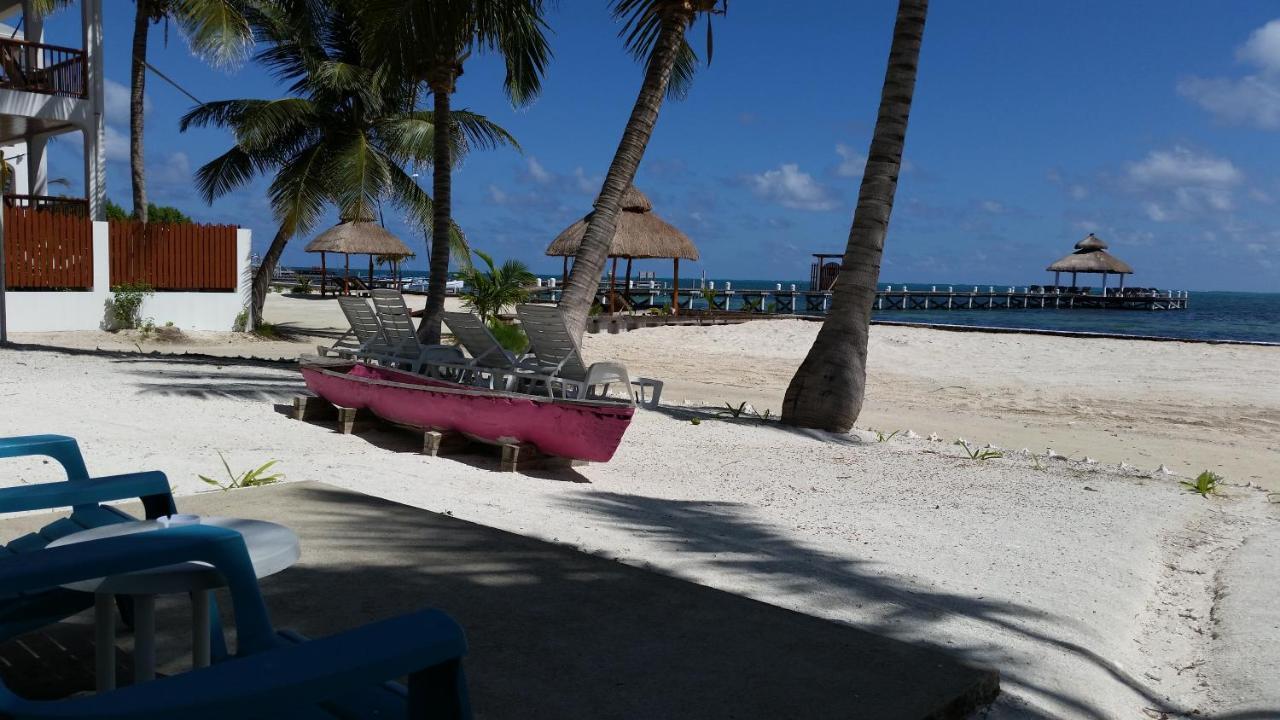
{"type": "Point", "coordinates": [418, 286]}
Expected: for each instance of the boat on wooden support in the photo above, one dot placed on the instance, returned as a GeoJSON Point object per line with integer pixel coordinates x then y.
{"type": "Point", "coordinates": [568, 428]}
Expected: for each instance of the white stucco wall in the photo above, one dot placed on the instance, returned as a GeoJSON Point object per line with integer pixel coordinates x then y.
{"type": "Point", "coordinates": [87, 310]}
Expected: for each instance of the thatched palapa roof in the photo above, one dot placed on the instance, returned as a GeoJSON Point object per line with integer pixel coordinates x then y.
{"type": "Point", "coordinates": [1091, 256]}
{"type": "Point", "coordinates": [359, 238]}
{"type": "Point", "coordinates": [639, 234]}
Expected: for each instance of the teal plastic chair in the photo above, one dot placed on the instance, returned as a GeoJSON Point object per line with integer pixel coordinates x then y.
{"type": "Point", "coordinates": [271, 675]}
{"type": "Point", "coordinates": [85, 497]}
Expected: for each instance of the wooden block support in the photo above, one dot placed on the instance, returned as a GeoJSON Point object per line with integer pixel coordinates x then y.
{"type": "Point", "coordinates": [352, 420]}
{"type": "Point", "coordinates": [436, 441]}
{"type": "Point", "coordinates": [520, 457]}
{"type": "Point", "coordinates": [310, 407]}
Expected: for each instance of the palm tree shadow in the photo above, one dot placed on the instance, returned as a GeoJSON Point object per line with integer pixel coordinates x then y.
{"type": "Point", "coordinates": [706, 413]}
{"type": "Point", "coordinates": [720, 535]}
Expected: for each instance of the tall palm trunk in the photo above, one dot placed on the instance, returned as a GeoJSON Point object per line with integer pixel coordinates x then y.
{"type": "Point", "coordinates": [262, 279]}
{"type": "Point", "coordinates": [827, 391]}
{"type": "Point", "coordinates": [441, 218]}
{"type": "Point", "coordinates": [583, 283]}
{"type": "Point", "coordinates": [137, 90]}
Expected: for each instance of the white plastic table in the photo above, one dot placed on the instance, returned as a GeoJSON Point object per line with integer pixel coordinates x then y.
{"type": "Point", "coordinates": [271, 547]}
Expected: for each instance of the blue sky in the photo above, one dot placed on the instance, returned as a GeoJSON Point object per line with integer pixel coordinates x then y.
{"type": "Point", "coordinates": [1153, 123]}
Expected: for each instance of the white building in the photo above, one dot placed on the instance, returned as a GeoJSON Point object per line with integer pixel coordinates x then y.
{"type": "Point", "coordinates": [48, 90]}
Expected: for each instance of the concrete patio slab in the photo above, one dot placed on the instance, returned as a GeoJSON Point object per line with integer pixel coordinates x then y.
{"type": "Point", "coordinates": [556, 633]}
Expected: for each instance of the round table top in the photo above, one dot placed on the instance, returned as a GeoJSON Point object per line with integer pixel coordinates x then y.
{"type": "Point", "coordinates": [271, 547]}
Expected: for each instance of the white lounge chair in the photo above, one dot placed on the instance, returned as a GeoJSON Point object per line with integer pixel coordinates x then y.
{"type": "Point", "coordinates": [401, 347]}
{"type": "Point", "coordinates": [490, 364]}
{"type": "Point", "coordinates": [364, 336]}
{"type": "Point", "coordinates": [558, 361]}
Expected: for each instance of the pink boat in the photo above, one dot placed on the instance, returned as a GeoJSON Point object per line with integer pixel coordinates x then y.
{"type": "Point", "coordinates": [576, 429]}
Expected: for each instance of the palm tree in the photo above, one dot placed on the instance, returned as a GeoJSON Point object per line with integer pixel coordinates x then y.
{"type": "Point", "coordinates": [343, 139]}
{"type": "Point", "coordinates": [218, 31]}
{"type": "Point", "coordinates": [498, 287]}
{"type": "Point", "coordinates": [827, 391]}
{"type": "Point", "coordinates": [428, 43]}
{"type": "Point", "coordinates": [655, 33]}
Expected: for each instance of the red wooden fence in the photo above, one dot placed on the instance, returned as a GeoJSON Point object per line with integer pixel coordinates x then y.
{"type": "Point", "coordinates": [173, 256]}
{"type": "Point", "coordinates": [47, 250]}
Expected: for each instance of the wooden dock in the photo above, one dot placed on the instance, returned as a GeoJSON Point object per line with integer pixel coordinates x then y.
{"type": "Point", "coordinates": [814, 302]}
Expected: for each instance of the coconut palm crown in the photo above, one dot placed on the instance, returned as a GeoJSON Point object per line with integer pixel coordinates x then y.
{"type": "Point", "coordinates": [346, 138]}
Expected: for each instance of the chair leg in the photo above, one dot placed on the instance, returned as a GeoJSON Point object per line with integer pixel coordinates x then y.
{"type": "Point", "coordinates": [125, 604]}
{"type": "Point", "coordinates": [439, 693]}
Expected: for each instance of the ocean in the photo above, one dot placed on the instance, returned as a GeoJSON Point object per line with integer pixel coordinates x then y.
{"type": "Point", "coordinates": [1238, 316]}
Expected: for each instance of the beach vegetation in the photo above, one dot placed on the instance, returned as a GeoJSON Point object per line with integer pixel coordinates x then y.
{"type": "Point", "coordinates": [217, 31]}
{"type": "Point", "coordinates": [426, 44]}
{"type": "Point", "coordinates": [882, 437]}
{"type": "Point", "coordinates": [981, 454]}
{"type": "Point", "coordinates": [509, 335]}
{"type": "Point", "coordinates": [344, 137]}
{"type": "Point", "coordinates": [155, 213]}
{"type": "Point", "coordinates": [302, 287]}
{"type": "Point", "coordinates": [252, 477]}
{"type": "Point", "coordinates": [125, 307]}
{"type": "Point", "coordinates": [828, 389]}
{"type": "Point", "coordinates": [489, 290]}
{"type": "Point", "coordinates": [1205, 484]}
{"type": "Point", "coordinates": [731, 411]}
{"type": "Point", "coordinates": [241, 323]}
{"type": "Point", "coordinates": [653, 31]}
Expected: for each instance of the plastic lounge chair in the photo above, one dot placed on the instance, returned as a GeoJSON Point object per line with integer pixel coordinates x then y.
{"type": "Point", "coordinates": [559, 360]}
{"type": "Point", "coordinates": [84, 495]}
{"type": "Point", "coordinates": [365, 336]}
{"type": "Point", "coordinates": [490, 363]}
{"type": "Point", "coordinates": [403, 348]}
{"type": "Point", "coordinates": [271, 675]}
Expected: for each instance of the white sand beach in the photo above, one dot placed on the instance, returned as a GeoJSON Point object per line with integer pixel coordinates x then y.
{"type": "Point", "coordinates": [1096, 591]}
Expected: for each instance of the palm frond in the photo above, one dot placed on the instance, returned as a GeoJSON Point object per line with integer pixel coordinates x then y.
{"type": "Point", "coordinates": [360, 176]}
{"type": "Point", "coordinates": [301, 190]}
{"type": "Point", "coordinates": [217, 30]}
{"type": "Point", "coordinates": [225, 173]}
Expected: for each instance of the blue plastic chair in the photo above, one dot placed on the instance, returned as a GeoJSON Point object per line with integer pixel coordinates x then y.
{"type": "Point", "coordinates": [84, 495]}
{"type": "Point", "coordinates": [271, 676]}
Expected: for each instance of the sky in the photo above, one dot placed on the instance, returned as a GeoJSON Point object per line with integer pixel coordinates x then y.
{"type": "Point", "coordinates": [1152, 123]}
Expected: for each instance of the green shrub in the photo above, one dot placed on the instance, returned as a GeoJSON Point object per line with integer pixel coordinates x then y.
{"type": "Point", "coordinates": [248, 478]}
{"type": "Point", "coordinates": [1205, 484]}
{"type": "Point", "coordinates": [302, 287]}
{"type": "Point", "coordinates": [126, 304]}
{"type": "Point", "coordinates": [155, 213]}
{"type": "Point", "coordinates": [509, 336]}
{"type": "Point", "coordinates": [241, 322]}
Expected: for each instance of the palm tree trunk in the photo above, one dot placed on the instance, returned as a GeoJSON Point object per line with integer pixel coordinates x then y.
{"type": "Point", "coordinates": [827, 391]}
{"type": "Point", "coordinates": [137, 90]}
{"type": "Point", "coordinates": [262, 279]}
{"type": "Point", "coordinates": [584, 281]}
{"type": "Point", "coordinates": [441, 220]}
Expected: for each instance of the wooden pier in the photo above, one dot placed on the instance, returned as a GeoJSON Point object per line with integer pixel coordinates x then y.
{"type": "Point", "coordinates": [816, 302]}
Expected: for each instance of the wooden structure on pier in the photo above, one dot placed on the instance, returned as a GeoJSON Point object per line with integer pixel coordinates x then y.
{"type": "Point", "coordinates": [357, 237]}
{"type": "Point", "coordinates": [639, 235]}
{"type": "Point", "coordinates": [824, 270]}
{"type": "Point", "coordinates": [1090, 257]}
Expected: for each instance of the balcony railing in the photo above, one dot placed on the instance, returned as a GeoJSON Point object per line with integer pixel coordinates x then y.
{"type": "Point", "coordinates": [40, 68]}
{"type": "Point", "coordinates": [61, 205]}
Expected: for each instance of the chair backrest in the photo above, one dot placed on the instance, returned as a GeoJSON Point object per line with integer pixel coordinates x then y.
{"type": "Point", "coordinates": [397, 326]}
{"type": "Point", "coordinates": [476, 338]}
{"type": "Point", "coordinates": [364, 323]}
{"type": "Point", "coordinates": [550, 341]}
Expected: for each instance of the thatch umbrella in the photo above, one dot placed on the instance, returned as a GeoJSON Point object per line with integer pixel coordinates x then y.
{"type": "Point", "coordinates": [640, 235]}
{"type": "Point", "coordinates": [360, 237]}
{"type": "Point", "coordinates": [1091, 256]}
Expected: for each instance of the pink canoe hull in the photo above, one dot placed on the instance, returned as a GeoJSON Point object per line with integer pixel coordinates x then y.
{"type": "Point", "coordinates": [581, 430]}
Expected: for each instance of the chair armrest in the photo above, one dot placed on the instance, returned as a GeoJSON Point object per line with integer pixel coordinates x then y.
{"type": "Point", "coordinates": [280, 681]}
{"type": "Point", "coordinates": [61, 448]}
{"type": "Point", "coordinates": [91, 491]}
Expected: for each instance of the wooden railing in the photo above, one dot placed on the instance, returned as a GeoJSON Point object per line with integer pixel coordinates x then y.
{"type": "Point", "coordinates": [40, 68]}
{"type": "Point", "coordinates": [60, 205]}
{"type": "Point", "coordinates": [47, 250]}
{"type": "Point", "coordinates": [173, 256]}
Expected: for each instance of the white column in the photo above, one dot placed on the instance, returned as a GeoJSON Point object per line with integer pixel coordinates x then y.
{"type": "Point", "coordinates": [94, 151]}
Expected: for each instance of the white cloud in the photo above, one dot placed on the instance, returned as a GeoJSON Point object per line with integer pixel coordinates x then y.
{"type": "Point", "coordinates": [115, 98]}
{"type": "Point", "coordinates": [174, 170]}
{"type": "Point", "coordinates": [1078, 192]}
{"type": "Point", "coordinates": [1253, 99]}
{"type": "Point", "coordinates": [852, 162]}
{"type": "Point", "coordinates": [539, 173]}
{"type": "Point", "coordinates": [586, 184]}
{"type": "Point", "coordinates": [117, 144]}
{"type": "Point", "coordinates": [991, 206]}
{"type": "Point", "coordinates": [1182, 166]}
{"type": "Point", "coordinates": [790, 187]}
{"type": "Point", "coordinates": [497, 195]}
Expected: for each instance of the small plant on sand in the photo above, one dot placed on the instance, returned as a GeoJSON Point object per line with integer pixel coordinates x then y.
{"type": "Point", "coordinates": [1035, 463]}
{"type": "Point", "coordinates": [267, 330]}
{"type": "Point", "coordinates": [241, 322]}
{"type": "Point", "coordinates": [248, 478]}
{"type": "Point", "coordinates": [733, 412]}
{"type": "Point", "coordinates": [1205, 484]}
{"type": "Point", "coordinates": [126, 304]}
{"type": "Point", "coordinates": [981, 454]}
{"type": "Point", "coordinates": [709, 297]}
{"type": "Point", "coordinates": [882, 437]}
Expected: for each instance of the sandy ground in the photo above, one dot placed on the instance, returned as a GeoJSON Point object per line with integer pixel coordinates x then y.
{"type": "Point", "coordinates": [1097, 590]}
